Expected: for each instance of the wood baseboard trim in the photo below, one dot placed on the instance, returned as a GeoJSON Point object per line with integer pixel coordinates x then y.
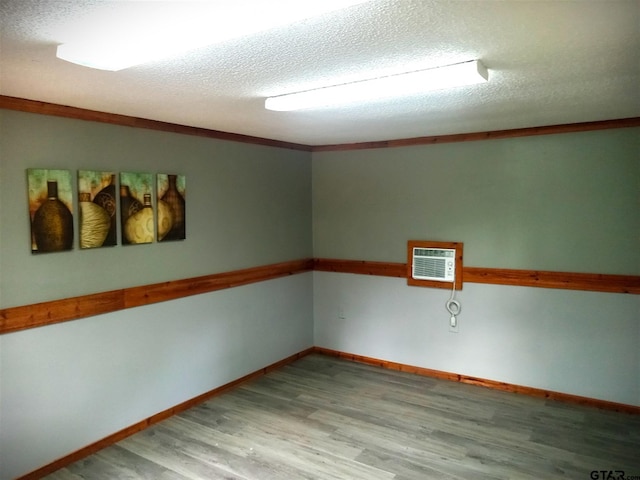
{"type": "Point", "coordinates": [481, 382]}
{"type": "Point", "coordinates": [594, 282]}
{"type": "Point", "coordinates": [158, 417]}
{"type": "Point", "coordinates": [47, 313]}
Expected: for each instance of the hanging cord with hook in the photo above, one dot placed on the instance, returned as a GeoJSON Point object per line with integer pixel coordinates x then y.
{"type": "Point", "coordinates": [453, 306]}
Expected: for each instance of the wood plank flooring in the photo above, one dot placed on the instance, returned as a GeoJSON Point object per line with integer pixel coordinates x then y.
{"type": "Point", "coordinates": [326, 418]}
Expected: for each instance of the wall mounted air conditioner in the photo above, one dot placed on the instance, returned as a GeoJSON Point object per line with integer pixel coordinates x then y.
{"type": "Point", "coordinates": [434, 264]}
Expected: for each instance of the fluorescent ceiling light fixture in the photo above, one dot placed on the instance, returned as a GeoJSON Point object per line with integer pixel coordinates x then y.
{"type": "Point", "coordinates": [403, 84]}
{"type": "Point", "coordinates": [123, 34]}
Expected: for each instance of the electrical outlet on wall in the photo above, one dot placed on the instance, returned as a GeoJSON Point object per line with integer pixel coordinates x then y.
{"type": "Point", "coordinates": [454, 324]}
{"type": "Point", "coordinates": [341, 314]}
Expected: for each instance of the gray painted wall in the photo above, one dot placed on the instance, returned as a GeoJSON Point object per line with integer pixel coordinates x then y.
{"type": "Point", "coordinates": [580, 343]}
{"type": "Point", "coordinates": [560, 202]}
{"type": "Point", "coordinates": [538, 202]}
{"type": "Point", "coordinates": [247, 205]}
{"type": "Point", "coordinates": [68, 385]}
{"type": "Point", "coordinates": [65, 386]}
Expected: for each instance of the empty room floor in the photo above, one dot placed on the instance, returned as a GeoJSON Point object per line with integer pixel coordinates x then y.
{"type": "Point", "coordinates": [322, 417]}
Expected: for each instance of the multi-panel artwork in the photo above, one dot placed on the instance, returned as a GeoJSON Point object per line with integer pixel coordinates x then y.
{"type": "Point", "coordinates": [143, 217]}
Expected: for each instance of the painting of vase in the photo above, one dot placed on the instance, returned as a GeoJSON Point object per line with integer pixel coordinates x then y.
{"type": "Point", "coordinates": [50, 210]}
{"type": "Point", "coordinates": [171, 207]}
{"type": "Point", "coordinates": [97, 209]}
{"type": "Point", "coordinates": [136, 209]}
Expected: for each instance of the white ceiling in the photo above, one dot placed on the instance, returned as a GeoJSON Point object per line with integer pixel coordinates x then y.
{"type": "Point", "coordinates": [550, 62]}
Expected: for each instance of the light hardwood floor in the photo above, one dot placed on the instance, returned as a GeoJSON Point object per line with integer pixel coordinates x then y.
{"type": "Point", "coordinates": [326, 418]}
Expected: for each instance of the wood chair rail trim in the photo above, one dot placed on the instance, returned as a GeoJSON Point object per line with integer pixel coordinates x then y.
{"type": "Point", "coordinates": [46, 313]}
{"type": "Point", "coordinates": [18, 318]}
{"type": "Point", "coordinates": [595, 282]}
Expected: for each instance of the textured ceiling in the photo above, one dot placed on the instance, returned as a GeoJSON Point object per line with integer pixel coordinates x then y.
{"type": "Point", "coordinates": [550, 62]}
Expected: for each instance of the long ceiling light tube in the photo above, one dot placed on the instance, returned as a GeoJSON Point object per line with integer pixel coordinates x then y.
{"type": "Point", "coordinates": [403, 84]}
{"type": "Point", "coordinates": [140, 32]}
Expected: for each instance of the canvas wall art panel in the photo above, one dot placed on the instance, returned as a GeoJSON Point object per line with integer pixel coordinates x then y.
{"type": "Point", "coordinates": [171, 203]}
{"type": "Point", "coordinates": [50, 209]}
{"type": "Point", "coordinates": [136, 211]}
{"type": "Point", "coordinates": [97, 208]}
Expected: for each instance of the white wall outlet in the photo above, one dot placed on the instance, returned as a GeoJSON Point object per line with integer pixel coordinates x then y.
{"type": "Point", "coordinates": [341, 314]}
{"type": "Point", "coordinates": [454, 325]}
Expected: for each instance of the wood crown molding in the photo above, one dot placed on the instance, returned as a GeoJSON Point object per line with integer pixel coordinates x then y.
{"type": "Point", "coordinates": [491, 135]}
{"type": "Point", "coordinates": [45, 108]}
{"type": "Point", "coordinates": [14, 319]}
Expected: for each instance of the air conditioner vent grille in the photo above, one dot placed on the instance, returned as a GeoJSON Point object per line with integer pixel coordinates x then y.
{"type": "Point", "coordinates": [429, 267]}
